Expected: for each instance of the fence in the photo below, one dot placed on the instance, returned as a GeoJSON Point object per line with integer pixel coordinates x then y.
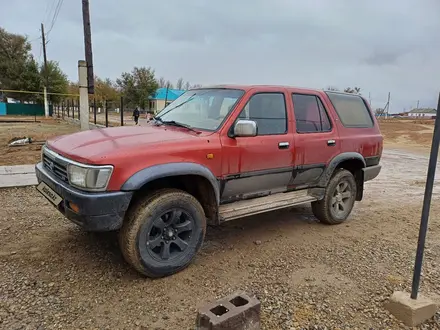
{"type": "Point", "coordinates": [101, 112]}
{"type": "Point", "coordinates": [23, 109]}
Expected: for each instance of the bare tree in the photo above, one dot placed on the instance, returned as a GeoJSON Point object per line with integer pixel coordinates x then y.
{"type": "Point", "coordinates": [332, 88]}
{"type": "Point", "coordinates": [187, 86]}
{"type": "Point", "coordinates": [161, 82]}
{"type": "Point", "coordinates": [356, 90]}
{"type": "Point", "coordinates": [379, 112]}
{"type": "Point", "coordinates": [169, 84]}
{"type": "Point", "coordinates": [179, 84]}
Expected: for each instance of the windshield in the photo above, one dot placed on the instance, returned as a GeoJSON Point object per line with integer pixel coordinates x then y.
{"type": "Point", "coordinates": [201, 108]}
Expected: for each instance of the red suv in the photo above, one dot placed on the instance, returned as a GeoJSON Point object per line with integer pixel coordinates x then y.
{"type": "Point", "coordinates": [213, 155]}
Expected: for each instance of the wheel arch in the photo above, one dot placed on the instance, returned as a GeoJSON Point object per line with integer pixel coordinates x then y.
{"type": "Point", "coordinates": [351, 161]}
{"type": "Point", "coordinates": [193, 178]}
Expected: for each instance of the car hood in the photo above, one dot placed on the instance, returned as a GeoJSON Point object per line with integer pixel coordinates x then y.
{"type": "Point", "coordinates": [97, 145]}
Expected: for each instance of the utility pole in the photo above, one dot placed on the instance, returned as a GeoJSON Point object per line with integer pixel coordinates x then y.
{"type": "Point", "coordinates": [88, 46]}
{"type": "Point", "coordinates": [83, 96]}
{"type": "Point", "coordinates": [166, 95]}
{"type": "Point", "coordinates": [46, 73]}
{"type": "Point", "coordinates": [388, 105]}
{"type": "Point", "coordinates": [426, 206]}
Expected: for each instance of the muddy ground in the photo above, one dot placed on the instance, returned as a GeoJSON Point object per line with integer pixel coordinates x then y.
{"type": "Point", "coordinates": [55, 276]}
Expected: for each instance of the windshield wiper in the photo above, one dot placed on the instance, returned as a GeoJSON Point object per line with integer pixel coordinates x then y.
{"type": "Point", "coordinates": [176, 123]}
{"type": "Point", "coordinates": [157, 119]}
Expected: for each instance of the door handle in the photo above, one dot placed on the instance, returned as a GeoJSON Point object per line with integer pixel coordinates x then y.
{"type": "Point", "coordinates": [331, 143]}
{"type": "Point", "coordinates": [283, 145]}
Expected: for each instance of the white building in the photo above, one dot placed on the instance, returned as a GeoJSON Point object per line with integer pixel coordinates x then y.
{"type": "Point", "coordinates": [422, 113]}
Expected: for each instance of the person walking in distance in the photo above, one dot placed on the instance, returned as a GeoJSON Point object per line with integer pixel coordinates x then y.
{"type": "Point", "coordinates": [136, 115]}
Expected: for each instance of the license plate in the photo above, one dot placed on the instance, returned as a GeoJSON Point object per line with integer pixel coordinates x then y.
{"type": "Point", "coordinates": [51, 195]}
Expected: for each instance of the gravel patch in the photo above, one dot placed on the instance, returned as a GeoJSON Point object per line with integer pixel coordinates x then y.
{"type": "Point", "coordinates": [306, 275]}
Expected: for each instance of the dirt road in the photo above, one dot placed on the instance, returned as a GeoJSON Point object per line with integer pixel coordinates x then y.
{"type": "Point", "coordinates": [53, 275]}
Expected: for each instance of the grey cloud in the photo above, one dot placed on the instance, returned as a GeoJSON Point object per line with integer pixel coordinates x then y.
{"type": "Point", "coordinates": [383, 58]}
{"type": "Point", "coordinates": [378, 45]}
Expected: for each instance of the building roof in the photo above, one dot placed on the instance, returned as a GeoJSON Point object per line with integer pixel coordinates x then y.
{"type": "Point", "coordinates": [423, 110]}
{"type": "Point", "coordinates": [161, 94]}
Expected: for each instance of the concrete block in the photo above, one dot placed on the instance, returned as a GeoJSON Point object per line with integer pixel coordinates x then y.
{"type": "Point", "coordinates": [411, 312]}
{"type": "Point", "coordinates": [238, 311]}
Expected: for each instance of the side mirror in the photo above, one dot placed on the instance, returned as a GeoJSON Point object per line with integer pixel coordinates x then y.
{"type": "Point", "coordinates": [244, 128]}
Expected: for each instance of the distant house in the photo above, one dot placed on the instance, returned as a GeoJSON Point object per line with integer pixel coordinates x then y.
{"type": "Point", "coordinates": [162, 98]}
{"type": "Point", "coordinates": [422, 113]}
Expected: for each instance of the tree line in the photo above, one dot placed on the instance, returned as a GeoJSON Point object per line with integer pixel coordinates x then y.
{"type": "Point", "coordinates": [20, 71]}
{"type": "Point", "coordinates": [354, 90]}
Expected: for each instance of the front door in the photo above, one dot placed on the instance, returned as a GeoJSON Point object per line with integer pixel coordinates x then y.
{"type": "Point", "coordinates": [260, 165]}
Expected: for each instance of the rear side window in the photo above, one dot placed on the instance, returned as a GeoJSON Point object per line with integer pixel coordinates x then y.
{"type": "Point", "coordinates": [310, 114]}
{"type": "Point", "coordinates": [351, 110]}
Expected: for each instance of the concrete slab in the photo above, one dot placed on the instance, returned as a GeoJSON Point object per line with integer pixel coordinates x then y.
{"type": "Point", "coordinates": [17, 176]}
{"type": "Point", "coordinates": [17, 169]}
{"type": "Point", "coordinates": [18, 180]}
{"type": "Point", "coordinates": [411, 312]}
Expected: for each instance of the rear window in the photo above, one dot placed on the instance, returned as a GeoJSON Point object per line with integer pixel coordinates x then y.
{"type": "Point", "coordinates": [351, 110]}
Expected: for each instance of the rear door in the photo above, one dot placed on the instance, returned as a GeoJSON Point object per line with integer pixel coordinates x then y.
{"type": "Point", "coordinates": [316, 138]}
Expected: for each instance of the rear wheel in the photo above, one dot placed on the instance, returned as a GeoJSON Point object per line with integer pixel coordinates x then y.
{"type": "Point", "coordinates": [338, 200]}
{"type": "Point", "coordinates": [162, 233]}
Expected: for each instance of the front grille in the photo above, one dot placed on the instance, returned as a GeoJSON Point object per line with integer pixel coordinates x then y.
{"type": "Point", "coordinates": [56, 166]}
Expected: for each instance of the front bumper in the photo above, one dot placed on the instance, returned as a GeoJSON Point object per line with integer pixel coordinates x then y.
{"type": "Point", "coordinates": [371, 172]}
{"type": "Point", "coordinates": [97, 211]}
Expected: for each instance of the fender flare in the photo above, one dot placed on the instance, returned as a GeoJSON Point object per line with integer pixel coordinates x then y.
{"type": "Point", "coordinates": [149, 174]}
{"type": "Point", "coordinates": [328, 172]}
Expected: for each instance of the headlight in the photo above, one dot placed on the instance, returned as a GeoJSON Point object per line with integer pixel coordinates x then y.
{"type": "Point", "coordinates": [89, 178]}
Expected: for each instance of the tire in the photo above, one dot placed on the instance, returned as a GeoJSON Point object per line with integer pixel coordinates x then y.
{"type": "Point", "coordinates": [329, 209]}
{"type": "Point", "coordinates": [163, 232]}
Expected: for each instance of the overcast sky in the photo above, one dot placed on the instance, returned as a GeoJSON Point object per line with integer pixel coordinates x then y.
{"type": "Point", "coordinates": [379, 45]}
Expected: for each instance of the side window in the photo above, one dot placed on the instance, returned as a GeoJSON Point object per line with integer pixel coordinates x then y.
{"type": "Point", "coordinates": [268, 110]}
{"type": "Point", "coordinates": [352, 110]}
{"type": "Point", "coordinates": [310, 114]}
{"type": "Point", "coordinates": [325, 120]}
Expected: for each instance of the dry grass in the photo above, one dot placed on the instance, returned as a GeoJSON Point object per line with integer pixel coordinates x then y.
{"type": "Point", "coordinates": [407, 133]}
{"type": "Point", "coordinates": [29, 154]}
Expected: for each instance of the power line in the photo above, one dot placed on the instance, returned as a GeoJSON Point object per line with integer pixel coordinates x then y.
{"type": "Point", "coordinates": [55, 16]}
{"type": "Point", "coordinates": [33, 92]}
{"type": "Point", "coordinates": [34, 39]}
{"type": "Point", "coordinates": [41, 51]}
{"type": "Point", "coordinates": [48, 11]}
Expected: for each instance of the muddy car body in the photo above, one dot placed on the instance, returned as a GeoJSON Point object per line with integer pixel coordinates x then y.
{"type": "Point", "coordinates": [213, 155]}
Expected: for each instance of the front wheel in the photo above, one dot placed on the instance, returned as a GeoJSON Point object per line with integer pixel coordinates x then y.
{"type": "Point", "coordinates": [338, 200]}
{"type": "Point", "coordinates": [162, 233]}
